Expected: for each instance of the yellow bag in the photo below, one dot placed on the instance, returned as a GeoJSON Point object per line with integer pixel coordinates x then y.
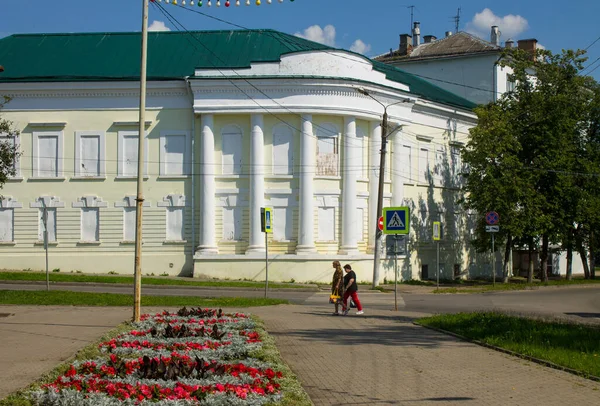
{"type": "Point", "coordinates": [334, 297]}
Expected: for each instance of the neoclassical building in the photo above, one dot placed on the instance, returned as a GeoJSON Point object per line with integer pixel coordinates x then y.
{"type": "Point", "coordinates": [235, 121]}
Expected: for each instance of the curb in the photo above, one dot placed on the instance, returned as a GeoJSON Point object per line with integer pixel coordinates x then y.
{"type": "Point", "coordinates": [514, 354]}
{"type": "Point", "coordinates": [96, 284]}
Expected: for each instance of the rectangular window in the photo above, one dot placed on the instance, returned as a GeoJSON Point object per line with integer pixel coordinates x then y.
{"type": "Point", "coordinates": [232, 153]}
{"type": "Point", "coordinates": [128, 154]}
{"type": "Point", "coordinates": [327, 156]}
{"type": "Point", "coordinates": [175, 224]}
{"type": "Point", "coordinates": [173, 154]}
{"type": "Point", "coordinates": [50, 224]}
{"type": "Point", "coordinates": [232, 224]}
{"type": "Point", "coordinates": [423, 165]}
{"type": "Point", "coordinates": [283, 153]}
{"type": "Point", "coordinates": [89, 150]}
{"type": "Point", "coordinates": [90, 231]}
{"type": "Point", "coordinates": [47, 158]}
{"type": "Point", "coordinates": [439, 167]}
{"type": "Point", "coordinates": [129, 223]}
{"type": "Point", "coordinates": [326, 224]}
{"type": "Point", "coordinates": [13, 142]}
{"type": "Point", "coordinates": [283, 224]}
{"type": "Point", "coordinates": [6, 225]}
{"type": "Point", "coordinates": [456, 163]}
{"type": "Point", "coordinates": [406, 163]}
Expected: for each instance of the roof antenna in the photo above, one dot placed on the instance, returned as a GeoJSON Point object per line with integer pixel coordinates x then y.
{"type": "Point", "coordinates": [412, 12]}
{"type": "Point", "coordinates": [456, 19]}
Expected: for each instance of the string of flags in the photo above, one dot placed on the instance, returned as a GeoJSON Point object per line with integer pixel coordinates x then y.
{"type": "Point", "coordinates": [209, 3]}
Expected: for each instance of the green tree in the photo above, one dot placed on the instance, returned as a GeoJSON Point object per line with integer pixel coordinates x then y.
{"type": "Point", "coordinates": [8, 149]}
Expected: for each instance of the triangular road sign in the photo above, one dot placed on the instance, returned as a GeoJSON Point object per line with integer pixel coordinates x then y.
{"type": "Point", "coordinates": [395, 221]}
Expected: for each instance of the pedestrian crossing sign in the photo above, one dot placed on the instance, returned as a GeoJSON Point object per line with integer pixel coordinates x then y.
{"type": "Point", "coordinates": [396, 220]}
{"type": "Point", "coordinates": [266, 219]}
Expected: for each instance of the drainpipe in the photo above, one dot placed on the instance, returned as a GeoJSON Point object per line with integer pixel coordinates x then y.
{"type": "Point", "coordinates": [193, 154]}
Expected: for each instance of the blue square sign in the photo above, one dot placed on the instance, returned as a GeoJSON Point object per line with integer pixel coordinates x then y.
{"type": "Point", "coordinates": [396, 220]}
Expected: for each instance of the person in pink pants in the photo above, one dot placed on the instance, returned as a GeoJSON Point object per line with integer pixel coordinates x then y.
{"type": "Point", "coordinates": [350, 289]}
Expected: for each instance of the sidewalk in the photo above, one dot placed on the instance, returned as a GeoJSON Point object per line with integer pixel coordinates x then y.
{"type": "Point", "coordinates": [382, 358]}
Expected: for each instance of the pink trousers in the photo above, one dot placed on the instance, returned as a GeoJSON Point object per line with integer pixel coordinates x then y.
{"type": "Point", "coordinates": [354, 297]}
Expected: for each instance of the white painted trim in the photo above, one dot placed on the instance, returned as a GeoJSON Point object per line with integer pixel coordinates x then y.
{"type": "Point", "coordinates": [59, 158]}
{"type": "Point", "coordinates": [8, 202]}
{"type": "Point", "coordinates": [187, 154]}
{"type": "Point", "coordinates": [424, 138]}
{"type": "Point", "coordinates": [147, 123]}
{"type": "Point", "coordinates": [101, 154]}
{"type": "Point", "coordinates": [129, 201]}
{"type": "Point", "coordinates": [122, 134]}
{"type": "Point", "coordinates": [47, 201]}
{"type": "Point", "coordinates": [173, 200]}
{"type": "Point", "coordinates": [89, 201]}
{"type": "Point", "coordinates": [47, 124]}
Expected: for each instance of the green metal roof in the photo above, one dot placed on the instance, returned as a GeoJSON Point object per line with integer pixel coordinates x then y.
{"type": "Point", "coordinates": [171, 56]}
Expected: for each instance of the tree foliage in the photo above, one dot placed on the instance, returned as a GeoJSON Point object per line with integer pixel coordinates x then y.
{"type": "Point", "coordinates": [8, 148]}
{"type": "Point", "coordinates": [534, 155]}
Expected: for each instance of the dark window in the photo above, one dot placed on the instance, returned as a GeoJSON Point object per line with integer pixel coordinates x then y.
{"type": "Point", "coordinates": [424, 272]}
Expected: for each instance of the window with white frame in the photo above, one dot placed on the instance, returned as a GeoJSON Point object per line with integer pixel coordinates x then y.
{"type": "Point", "coordinates": [47, 154]}
{"type": "Point", "coordinates": [406, 169]}
{"type": "Point", "coordinates": [283, 224]}
{"type": "Point", "coordinates": [13, 141]}
{"type": "Point", "coordinates": [231, 148]}
{"type": "Point", "coordinates": [175, 211]}
{"type": "Point", "coordinates": [423, 165]}
{"type": "Point", "coordinates": [327, 150]}
{"type": "Point", "coordinates": [439, 166]}
{"type": "Point", "coordinates": [283, 150]}
{"type": "Point", "coordinates": [129, 214]}
{"type": "Point", "coordinates": [127, 153]}
{"type": "Point", "coordinates": [232, 223]}
{"type": "Point", "coordinates": [90, 224]}
{"type": "Point", "coordinates": [360, 165]}
{"type": "Point", "coordinates": [89, 153]}
{"type": "Point", "coordinates": [49, 224]}
{"type": "Point", "coordinates": [174, 153]}
{"type": "Point", "coordinates": [7, 225]}
{"type": "Point", "coordinates": [326, 218]}
{"type": "Point", "coordinates": [456, 162]}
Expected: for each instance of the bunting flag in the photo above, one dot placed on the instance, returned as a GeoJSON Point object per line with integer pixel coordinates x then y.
{"type": "Point", "coordinates": [217, 3]}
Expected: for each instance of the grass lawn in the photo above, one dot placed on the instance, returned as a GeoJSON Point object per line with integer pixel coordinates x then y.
{"type": "Point", "coordinates": [66, 277]}
{"type": "Point", "coordinates": [488, 287]}
{"type": "Point", "coordinates": [66, 298]}
{"type": "Point", "coordinates": [569, 345]}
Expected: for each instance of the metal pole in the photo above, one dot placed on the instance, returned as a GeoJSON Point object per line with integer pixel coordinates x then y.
{"type": "Point", "coordinates": [378, 233]}
{"type": "Point", "coordinates": [396, 272]}
{"type": "Point", "coordinates": [438, 266]}
{"type": "Point", "coordinates": [266, 264]}
{"type": "Point", "coordinates": [493, 263]}
{"type": "Point", "coordinates": [45, 221]}
{"type": "Point", "coordinates": [140, 174]}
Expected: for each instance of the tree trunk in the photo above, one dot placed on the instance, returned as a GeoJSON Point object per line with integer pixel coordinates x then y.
{"type": "Point", "coordinates": [592, 255]}
{"type": "Point", "coordinates": [582, 253]}
{"type": "Point", "coordinates": [544, 258]}
{"type": "Point", "coordinates": [569, 275]}
{"type": "Point", "coordinates": [507, 253]}
{"type": "Point", "coordinates": [531, 267]}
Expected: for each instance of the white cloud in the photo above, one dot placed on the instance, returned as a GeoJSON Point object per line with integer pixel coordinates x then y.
{"type": "Point", "coordinates": [360, 47]}
{"type": "Point", "coordinates": [158, 26]}
{"type": "Point", "coordinates": [315, 33]}
{"type": "Point", "coordinates": [510, 25]}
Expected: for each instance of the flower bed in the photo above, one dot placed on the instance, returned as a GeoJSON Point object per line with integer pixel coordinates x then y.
{"type": "Point", "coordinates": [197, 356]}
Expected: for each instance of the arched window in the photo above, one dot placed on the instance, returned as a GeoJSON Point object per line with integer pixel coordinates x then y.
{"type": "Point", "coordinates": [231, 148]}
{"type": "Point", "coordinates": [327, 150]}
{"type": "Point", "coordinates": [283, 151]}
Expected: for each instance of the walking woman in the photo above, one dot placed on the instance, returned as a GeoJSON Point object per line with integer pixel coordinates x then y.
{"type": "Point", "coordinates": [350, 288]}
{"type": "Point", "coordinates": [337, 286]}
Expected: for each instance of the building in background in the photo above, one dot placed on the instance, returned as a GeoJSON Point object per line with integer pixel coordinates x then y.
{"type": "Point", "coordinates": [460, 63]}
{"type": "Point", "coordinates": [236, 120]}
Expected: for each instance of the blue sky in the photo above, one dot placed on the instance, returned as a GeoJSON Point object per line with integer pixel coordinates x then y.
{"type": "Point", "coordinates": [368, 26]}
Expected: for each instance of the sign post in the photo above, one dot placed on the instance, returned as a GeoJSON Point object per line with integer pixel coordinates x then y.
{"type": "Point", "coordinates": [437, 235]}
{"type": "Point", "coordinates": [492, 219]}
{"type": "Point", "coordinates": [266, 225]}
{"type": "Point", "coordinates": [396, 221]}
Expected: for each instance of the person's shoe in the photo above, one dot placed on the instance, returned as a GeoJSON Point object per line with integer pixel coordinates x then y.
{"type": "Point", "coordinates": [345, 313]}
{"type": "Point", "coordinates": [336, 313]}
{"type": "Point", "coordinates": [360, 312]}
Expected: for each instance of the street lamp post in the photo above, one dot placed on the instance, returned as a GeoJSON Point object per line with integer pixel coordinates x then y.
{"type": "Point", "coordinates": [384, 136]}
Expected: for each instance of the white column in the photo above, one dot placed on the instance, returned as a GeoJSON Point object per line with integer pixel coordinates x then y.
{"type": "Point", "coordinates": [257, 184]}
{"type": "Point", "coordinates": [374, 159]}
{"type": "Point", "coordinates": [307, 168]}
{"type": "Point", "coordinates": [350, 172]}
{"type": "Point", "coordinates": [207, 243]}
{"type": "Point", "coordinates": [397, 179]}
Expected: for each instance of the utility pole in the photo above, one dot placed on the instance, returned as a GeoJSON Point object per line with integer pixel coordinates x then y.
{"type": "Point", "coordinates": [457, 20]}
{"type": "Point", "coordinates": [137, 290]}
{"type": "Point", "coordinates": [378, 233]}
